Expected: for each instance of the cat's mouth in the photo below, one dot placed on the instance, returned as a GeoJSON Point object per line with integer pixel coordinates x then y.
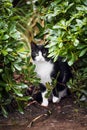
{"type": "Point", "coordinates": [39, 59]}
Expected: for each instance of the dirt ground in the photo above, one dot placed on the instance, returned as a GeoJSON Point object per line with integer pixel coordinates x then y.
{"type": "Point", "coordinates": [63, 116]}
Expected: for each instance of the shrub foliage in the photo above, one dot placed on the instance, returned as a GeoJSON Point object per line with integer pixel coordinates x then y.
{"type": "Point", "coordinates": [60, 23]}
{"type": "Point", "coordinates": [13, 59]}
{"type": "Point", "coordinates": [63, 25]}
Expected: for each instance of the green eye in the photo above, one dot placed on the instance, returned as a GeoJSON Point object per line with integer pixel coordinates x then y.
{"type": "Point", "coordinates": [37, 54]}
{"type": "Point", "coordinates": [44, 54]}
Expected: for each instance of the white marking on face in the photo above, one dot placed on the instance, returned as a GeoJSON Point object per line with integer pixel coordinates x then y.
{"type": "Point", "coordinates": [39, 57]}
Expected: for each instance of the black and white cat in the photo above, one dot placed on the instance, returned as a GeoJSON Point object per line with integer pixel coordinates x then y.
{"type": "Point", "coordinates": [46, 70]}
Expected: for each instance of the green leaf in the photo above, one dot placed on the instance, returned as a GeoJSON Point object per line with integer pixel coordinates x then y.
{"type": "Point", "coordinates": [18, 93]}
{"type": "Point", "coordinates": [85, 92]}
{"type": "Point", "coordinates": [83, 52]}
{"type": "Point", "coordinates": [18, 67]}
{"type": "Point", "coordinates": [12, 28]}
{"type": "Point", "coordinates": [25, 98]}
{"type": "Point", "coordinates": [32, 67]}
{"type": "Point", "coordinates": [4, 52]}
{"type": "Point", "coordinates": [1, 70]}
{"type": "Point", "coordinates": [9, 49]}
{"type": "Point", "coordinates": [4, 111]}
{"type": "Point", "coordinates": [51, 54]}
{"type": "Point", "coordinates": [20, 108]}
{"type": "Point", "coordinates": [5, 37]}
{"type": "Point", "coordinates": [15, 35]}
{"type": "Point", "coordinates": [71, 61]}
{"type": "Point", "coordinates": [76, 42]}
{"type": "Point", "coordinates": [22, 86]}
{"type": "Point", "coordinates": [81, 46]}
{"type": "Point", "coordinates": [60, 45]}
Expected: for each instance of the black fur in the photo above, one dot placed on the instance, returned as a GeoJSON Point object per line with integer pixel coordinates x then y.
{"type": "Point", "coordinates": [60, 67]}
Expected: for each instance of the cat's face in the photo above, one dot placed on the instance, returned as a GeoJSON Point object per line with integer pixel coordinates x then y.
{"type": "Point", "coordinates": [39, 52]}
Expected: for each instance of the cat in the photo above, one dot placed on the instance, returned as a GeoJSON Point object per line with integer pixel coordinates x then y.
{"type": "Point", "coordinates": [47, 70]}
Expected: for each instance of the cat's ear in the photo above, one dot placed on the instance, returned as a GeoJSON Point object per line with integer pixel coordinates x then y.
{"type": "Point", "coordinates": [33, 45]}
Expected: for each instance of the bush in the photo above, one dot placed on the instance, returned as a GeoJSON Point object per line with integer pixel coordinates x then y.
{"type": "Point", "coordinates": [13, 59]}
{"type": "Point", "coordinates": [63, 24]}
{"type": "Point", "coordinates": [65, 28]}
{"type": "Point", "coordinates": [66, 24]}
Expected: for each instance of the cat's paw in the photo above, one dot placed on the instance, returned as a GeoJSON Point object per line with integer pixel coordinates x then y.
{"type": "Point", "coordinates": [45, 103]}
{"type": "Point", "coordinates": [55, 99]}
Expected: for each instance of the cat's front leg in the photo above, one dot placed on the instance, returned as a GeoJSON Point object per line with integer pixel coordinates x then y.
{"type": "Point", "coordinates": [55, 96]}
{"type": "Point", "coordinates": [43, 95]}
{"type": "Point", "coordinates": [45, 101]}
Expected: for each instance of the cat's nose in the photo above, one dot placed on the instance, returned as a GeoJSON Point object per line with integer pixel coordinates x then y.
{"type": "Point", "coordinates": [39, 58]}
{"type": "Point", "coordinates": [42, 59]}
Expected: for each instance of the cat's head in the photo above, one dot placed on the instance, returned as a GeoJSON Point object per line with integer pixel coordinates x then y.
{"type": "Point", "coordinates": [39, 52]}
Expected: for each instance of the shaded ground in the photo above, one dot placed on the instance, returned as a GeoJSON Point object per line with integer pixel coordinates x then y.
{"type": "Point", "coordinates": [63, 116]}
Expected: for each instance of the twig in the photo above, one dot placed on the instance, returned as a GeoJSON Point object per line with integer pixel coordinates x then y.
{"type": "Point", "coordinates": [35, 119]}
{"type": "Point", "coordinates": [40, 116]}
{"type": "Point", "coordinates": [35, 102]}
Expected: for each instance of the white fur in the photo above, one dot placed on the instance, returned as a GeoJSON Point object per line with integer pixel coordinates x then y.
{"type": "Point", "coordinates": [61, 94]}
{"type": "Point", "coordinates": [43, 68]}
{"type": "Point", "coordinates": [45, 100]}
{"type": "Point", "coordinates": [55, 99]}
{"type": "Point", "coordinates": [39, 57]}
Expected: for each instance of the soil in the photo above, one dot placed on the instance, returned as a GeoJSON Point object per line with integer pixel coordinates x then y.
{"type": "Point", "coordinates": [65, 115]}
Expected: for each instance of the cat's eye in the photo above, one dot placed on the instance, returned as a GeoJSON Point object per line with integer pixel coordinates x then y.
{"type": "Point", "coordinates": [44, 54]}
{"type": "Point", "coordinates": [37, 54]}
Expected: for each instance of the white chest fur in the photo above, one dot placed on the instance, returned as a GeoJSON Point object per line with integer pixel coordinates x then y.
{"type": "Point", "coordinates": [43, 70]}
